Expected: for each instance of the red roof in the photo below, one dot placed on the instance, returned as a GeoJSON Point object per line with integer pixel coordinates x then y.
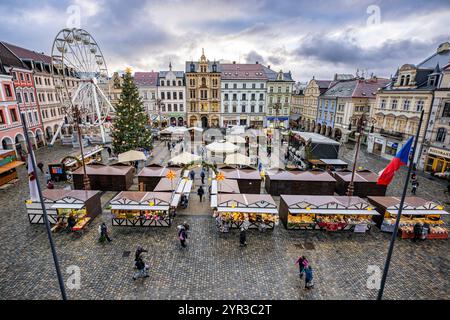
{"type": "Point", "coordinates": [368, 88]}
{"type": "Point", "coordinates": [26, 54]}
{"type": "Point", "coordinates": [146, 78]}
{"type": "Point", "coordinates": [241, 71]}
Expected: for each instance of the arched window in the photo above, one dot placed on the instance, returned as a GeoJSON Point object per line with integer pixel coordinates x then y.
{"type": "Point", "coordinates": [204, 82]}
{"type": "Point", "coordinates": [402, 80]}
{"type": "Point", "coordinates": [162, 82]}
{"type": "Point", "coordinates": [174, 83]}
{"type": "Point", "coordinates": [441, 134]}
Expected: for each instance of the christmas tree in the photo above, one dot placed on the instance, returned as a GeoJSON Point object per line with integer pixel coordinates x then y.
{"type": "Point", "coordinates": [129, 127]}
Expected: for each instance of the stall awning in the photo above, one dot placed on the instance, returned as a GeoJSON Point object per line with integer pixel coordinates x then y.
{"type": "Point", "coordinates": [180, 186]}
{"type": "Point", "coordinates": [418, 212]}
{"type": "Point", "coordinates": [11, 165]}
{"type": "Point", "coordinates": [188, 186]}
{"type": "Point", "coordinates": [214, 187]}
{"type": "Point", "coordinates": [248, 210]}
{"type": "Point", "coordinates": [214, 201]}
{"type": "Point", "coordinates": [138, 207]}
{"type": "Point", "coordinates": [336, 211]}
{"type": "Point", "coordinates": [175, 200]}
{"type": "Point", "coordinates": [67, 206]}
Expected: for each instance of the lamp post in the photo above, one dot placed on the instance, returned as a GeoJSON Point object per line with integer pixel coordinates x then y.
{"type": "Point", "coordinates": [77, 118]}
{"type": "Point", "coordinates": [277, 107]}
{"type": "Point", "coordinates": [361, 122]}
{"type": "Point", "coordinates": [159, 104]}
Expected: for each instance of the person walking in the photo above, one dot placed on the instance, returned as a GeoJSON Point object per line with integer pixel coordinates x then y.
{"type": "Point", "coordinates": [104, 233]}
{"type": "Point", "coordinates": [425, 231]}
{"type": "Point", "coordinates": [302, 263]}
{"type": "Point", "coordinates": [202, 175]}
{"type": "Point", "coordinates": [40, 165]}
{"type": "Point", "coordinates": [415, 185]}
{"type": "Point", "coordinates": [417, 231]}
{"type": "Point", "coordinates": [200, 193]}
{"type": "Point", "coordinates": [182, 234]}
{"type": "Point", "coordinates": [242, 238]}
{"type": "Point", "coordinates": [308, 278]}
{"type": "Point", "coordinates": [142, 269]}
{"type": "Point", "coordinates": [140, 250]}
{"type": "Point", "coordinates": [192, 174]}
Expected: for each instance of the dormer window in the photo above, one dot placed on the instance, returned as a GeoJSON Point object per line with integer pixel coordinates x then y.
{"type": "Point", "coordinates": [402, 80]}
{"type": "Point", "coordinates": [432, 81]}
{"type": "Point", "coordinates": [192, 67]}
{"type": "Point", "coordinates": [408, 79]}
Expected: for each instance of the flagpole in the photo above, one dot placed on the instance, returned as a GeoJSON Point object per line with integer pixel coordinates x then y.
{"type": "Point", "coordinates": [399, 214]}
{"type": "Point", "coordinates": [46, 222]}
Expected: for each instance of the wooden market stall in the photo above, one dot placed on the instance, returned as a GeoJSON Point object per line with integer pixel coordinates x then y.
{"type": "Point", "coordinates": [365, 183]}
{"type": "Point", "coordinates": [224, 186]}
{"type": "Point", "coordinates": [8, 165]}
{"type": "Point", "coordinates": [142, 209]}
{"type": "Point", "coordinates": [249, 180]}
{"type": "Point", "coordinates": [105, 178]}
{"type": "Point", "coordinates": [415, 210]}
{"type": "Point", "coordinates": [250, 210]}
{"type": "Point", "coordinates": [60, 204]}
{"type": "Point", "coordinates": [58, 171]}
{"type": "Point", "coordinates": [331, 213]}
{"type": "Point", "coordinates": [299, 182]}
{"type": "Point", "coordinates": [150, 176]}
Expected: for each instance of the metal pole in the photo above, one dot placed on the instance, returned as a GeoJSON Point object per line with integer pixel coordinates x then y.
{"type": "Point", "coordinates": [399, 214]}
{"type": "Point", "coordinates": [351, 184]}
{"type": "Point", "coordinates": [86, 182]}
{"type": "Point", "coordinates": [46, 222]}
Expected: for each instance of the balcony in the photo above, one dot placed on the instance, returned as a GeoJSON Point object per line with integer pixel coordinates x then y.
{"type": "Point", "coordinates": [391, 133]}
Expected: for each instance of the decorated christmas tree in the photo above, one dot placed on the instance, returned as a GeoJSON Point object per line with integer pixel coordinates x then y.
{"type": "Point", "coordinates": [129, 127]}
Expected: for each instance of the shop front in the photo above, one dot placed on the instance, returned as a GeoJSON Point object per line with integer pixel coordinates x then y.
{"type": "Point", "coordinates": [277, 122]}
{"type": "Point", "coordinates": [328, 213]}
{"type": "Point", "coordinates": [278, 182]}
{"type": "Point", "coordinates": [416, 211]}
{"type": "Point", "coordinates": [142, 209]}
{"type": "Point", "coordinates": [256, 121]}
{"type": "Point", "coordinates": [438, 160]}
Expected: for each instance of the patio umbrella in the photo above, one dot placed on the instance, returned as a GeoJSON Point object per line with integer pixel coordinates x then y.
{"type": "Point", "coordinates": [185, 158]}
{"type": "Point", "coordinates": [237, 158]}
{"type": "Point", "coordinates": [132, 155]}
{"type": "Point", "coordinates": [222, 147]}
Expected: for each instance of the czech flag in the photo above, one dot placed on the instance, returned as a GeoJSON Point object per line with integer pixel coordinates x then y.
{"type": "Point", "coordinates": [401, 159]}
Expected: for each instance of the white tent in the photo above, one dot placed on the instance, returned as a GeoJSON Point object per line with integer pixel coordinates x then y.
{"type": "Point", "coordinates": [185, 158]}
{"type": "Point", "coordinates": [132, 155]}
{"type": "Point", "coordinates": [235, 139]}
{"type": "Point", "coordinates": [237, 158]}
{"type": "Point", "coordinates": [222, 147]}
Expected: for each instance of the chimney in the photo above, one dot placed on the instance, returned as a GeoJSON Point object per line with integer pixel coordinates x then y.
{"type": "Point", "coordinates": [268, 66]}
{"type": "Point", "coordinates": [234, 62]}
{"type": "Point", "coordinates": [257, 62]}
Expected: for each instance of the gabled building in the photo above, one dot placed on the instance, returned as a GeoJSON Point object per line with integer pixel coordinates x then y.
{"type": "Point", "coordinates": [147, 82]}
{"type": "Point", "coordinates": [297, 101]}
{"type": "Point", "coordinates": [243, 92]}
{"type": "Point", "coordinates": [398, 106]}
{"type": "Point", "coordinates": [172, 96]}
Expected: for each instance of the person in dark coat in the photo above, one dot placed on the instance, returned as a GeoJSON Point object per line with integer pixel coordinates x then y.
{"type": "Point", "coordinates": [417, 231]}
{"type": "Point", "coordinates": [415, 185]}
{"type": "Point", "coordinates": [40, 165]}
{"type": "Point", "coordinates": [71, 222]}
{"type": "Point", "coordinates": [104, 232]}
{"type": "Point", "coordinates": [200, 193]}
{"type": "Point", "coordinates": [192, 175]}
{"type": "Point", "coordinates": [242, 238]}
{"type": "Point", "coordinates": [202, 175]}
{"type": "Point", "coordinates": [142, 269]}
{"type": "Point", "coordinates": [138, 252]}
{"type": "Point", "coordinates": [308, 278]}
{"type": "Point", "coordinates": [182, 234]}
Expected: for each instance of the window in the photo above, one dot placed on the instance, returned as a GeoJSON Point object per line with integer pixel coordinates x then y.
{"type": "Point", "coordinates": [203, 82]}
{"type": "Point", "coordinates": [252, 109]}
{"type": "Point", "coordinates": [234, 97]}
{"type": "Point", "coordinates": [21, 76]}
{"type": "Point", "coordinates": [260, 108]}
{"type": "Point", "coordinates": [181, 107]}
{"type": "Point", "coordinates": [286, 100]}
{"type": "Point", "coordinates": [402, 80]}
{"type": "Point", "coordinates": [225, 96]}
{"type": "Point", "coordinates": [383, 104]}
{"type": "Point", "coordinates": [243, 108]}
{"type": "Point", "coordinates": [168, 83]}
{"type": "Point", "coordinates": [179, 83]}
{"type": "Point", "coordinates": [174, 83]}
{"type": "Point", "coordinates": [214, 93]}
{"type": "Point", "coordinates": [225, 108]}
{"type": "Point", "coordinates": [234, 108]}
{"type": "Point", "coordinates": [168, 96]}
{"type": "Point", "coordinates": [163, 108]}
{"type": "Point", "coordinates": [14, 76]}
{"type": "Point", "coordinates": [262, 86]}
{"type": "Point", "coordinates": [234, 86]}
{"type": "Point", "coordinates": [175, 107]}
{"type": "Point", "coordinates": [2, 117]}
{"type": "Point", "coordinates": [28, 77]}
{"type": "Point", "coordinates": [446, 110]}
{"type": "Point", "coordinates": [26, 97]}
{"type": "Point", "coordinates": [169, 107]}
{"type": "Point", "coordinates": [226, 85]}
{"type": "Point", "coordinates": [30, 117]}
{"type": "Point", "coordinates": [253, 86]}
{"type": "Point", "coordinates": [441, 133]}
{"type": "Point", "coordinates": [419, 105]}
{"type": "Point", "coordinates": [162, 83]}
{"type": "Point", "coordinates": [279, 89]}
{"type": "Point", "coordinates": [406, 105]}
{"type": "Point", "coordinates": [261, 96]}
{"type": "Point", "coordinates": [8, 91]}
{"type": "Point", "coordinates": [394, 104]}
{"type": "Point", "coordinates": [244, 86]}
{"type": "Point", "coordinates": [287, 89]}
{"type": "Point", "coordinates": [163, 96]}
{"type": "Point", "coordinates": [36, 117]}
{"type": "Point", "coordinates": [253, 98]}
{"type": "Point", "coordinates": [244, 96]}
{"type": "Point", "coordinates": [174, 96]}
{"type": "Point", "coordinates": [271, 89]}
{"type": "Point", "coordinates": [13, 114]}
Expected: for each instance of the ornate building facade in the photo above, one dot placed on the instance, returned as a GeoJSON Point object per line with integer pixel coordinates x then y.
{"type": "Point", "coordinates": [308, 109]}
{"type": "Point", "coordinates": [279, 93]}
{"type": "Point", "coordinates": [203, 93]}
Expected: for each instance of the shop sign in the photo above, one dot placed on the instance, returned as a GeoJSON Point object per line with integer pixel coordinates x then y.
{"type": "Point", "coordinates": [393, 145]}
{"type": "Point", "coordinates": [439, 152]}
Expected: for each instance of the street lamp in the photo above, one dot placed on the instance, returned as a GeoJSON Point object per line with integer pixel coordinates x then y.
{"type": "Point", "coordinates": [361, 122]}
{"type": "Point", "coordinates": [277, 107]}
{"type": "Point", "coordinates": [77, 119]}
{"type": "Point", "coordinates": [159, 104]}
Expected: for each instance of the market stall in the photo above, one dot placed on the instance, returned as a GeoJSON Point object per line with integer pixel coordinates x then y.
{"type": "Point", "coordinates": [143, 209]}
{"type": "Point", "coordinates": [248, 210]}
{"type": "Point", "coordinates": [105, 178]}
{"type": "Point", "coordinates": [415, 210]}
{"type": "Point", "coordinates": [166, 185]}
{"type": "Point", "coordinates": [8, 165]}
{"type": "Point", "coordinates": [58, 171]}
{"type": "Point", "coordinates": [330, 213]}
{"type": "Point", "coordinates": [249, 180]}
{"type": "Point", "coordinates": [327, 164]}
{"type": "Point", "coordinates": [309, 145]}
{"type": "Point", "coordinates": [150, 176]}
{"type": "Point", "coordinates": [299, 182]}
{"type": "Point", "coordinates": [60, 204]}
{"type": "Point", "coordinates": [224, 186]}
{"type": "Point", "coordinates": [364, 182]}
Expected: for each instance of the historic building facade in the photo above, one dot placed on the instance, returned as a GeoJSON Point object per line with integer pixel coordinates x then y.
{"type": "Point", "coordinates": [279, 93]}
{"type": "Point", "coordinates": [308, 107]}
{"type": "Point", "coordinates": [147, 82]}
{"type": "Point", "coordinates": [243, 93]}
{"type": "Point", "coordinates": [203, 93]}
{"type": "Point", "coordinates": [172, 97]}
{"type": "Point", "coordinates": [297, 100]}
{"type": "Point", "coordinates": [399, 105]}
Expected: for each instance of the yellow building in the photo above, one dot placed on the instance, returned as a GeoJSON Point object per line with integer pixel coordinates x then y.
{"type": "Point", "coordinates": [203, 93]}
{"type": "Point", "coordinates": [308, 109]}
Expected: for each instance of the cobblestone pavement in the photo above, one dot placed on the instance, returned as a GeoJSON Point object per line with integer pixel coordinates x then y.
{"type": "Point", "coordinates": [213, 266]}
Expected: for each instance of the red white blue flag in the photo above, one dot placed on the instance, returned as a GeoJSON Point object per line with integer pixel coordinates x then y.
{"type": "Point", "coordinates": [401, 159]}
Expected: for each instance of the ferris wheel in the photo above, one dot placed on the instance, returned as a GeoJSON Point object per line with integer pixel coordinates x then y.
{"type": "Point", "coordinates": [79, 72]}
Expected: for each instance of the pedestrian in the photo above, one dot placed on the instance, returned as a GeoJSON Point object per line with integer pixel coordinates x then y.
{"type": "Point", "coordinates": [48, 177]}
{"type": "Point", "coordinates": [142, 269]}
{"type": "Point", "coordinates": [242, 238]}
{"type": "Point", "coordinates": [202, 175]}
{"type": "Point", "coordinates": [40, 165]}
{"type": "Point", "coordinates": [182, 235]}
{"type": "Point", "coordinates": [50, 185]}
{"type": "Point", "coordinates": [71, 222]}
{"type": "Point", "coordinates": [302, 263]}
{"type": "Point", "coordinates": [136, 165]}
{"type": "Point", "coordinates": [192, 174]}
{"type": "Point", "coordinates": [168, 146]}
{"type": "Point", "coordinates": [425, 231]}
{"type": "Point", "coordinates": [138, 252]}
{"type": "Point", "coordinates": [200, 193]}
{"type": "Point", "coordinates": [417, 231]}
{"type": "Point", "coordinates": [104, 233]}
{"type": "Point", "coordinates": [173, 145]}
{"type": "Point", "coordinates": [308, 278]}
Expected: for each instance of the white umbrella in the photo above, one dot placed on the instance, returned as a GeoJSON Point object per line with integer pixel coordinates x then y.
{"type": "Point", "coordinates": [222, 147]}
{"type": "Point", "coordinates": [185, 158]}
{"type": "Point", "coordinates": [132, 155]}
{"type": "Point", "coordinates": [238, 158]}
{"type": "Point", "coordinates": [235, 139]}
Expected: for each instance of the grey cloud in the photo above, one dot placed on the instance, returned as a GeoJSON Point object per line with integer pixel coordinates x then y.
{"type": "Point", "coordinates": [254, 56]}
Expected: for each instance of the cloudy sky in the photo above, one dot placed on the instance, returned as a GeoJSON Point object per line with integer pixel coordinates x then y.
{"type": "Point", "coordinates": [310, 38]}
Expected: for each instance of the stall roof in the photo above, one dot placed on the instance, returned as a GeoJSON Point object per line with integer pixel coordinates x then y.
{"type": "Point", "coordinates": [67, 206]}
{"type": "Point", "coordinates": [225, 186]}
{"type": "Point", "coordinates": [104, 170]}
{"type": "Point", "coordinates": [236, 202]}
{"type": "Point", "coordinates": [360, 176]}
{"type": "Point", "coordinates": [244, 174]}
{"type": "Point", "coordinates": [59, 194]}
{"type": "Point", "coordinates": [325, 202]}
{"type": "Point", "coordinates": [166, 185]}
{"type": "Point", "coordinates": [315, 138]}
{"type": "Point", "coordinates": [158, 172]}
{"type": "Point", "coordinates": [411, 205]}
{"type": "Point", "coordinates": [139, 197]}
{"type": "Point", "coordinates": [298, 175]}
